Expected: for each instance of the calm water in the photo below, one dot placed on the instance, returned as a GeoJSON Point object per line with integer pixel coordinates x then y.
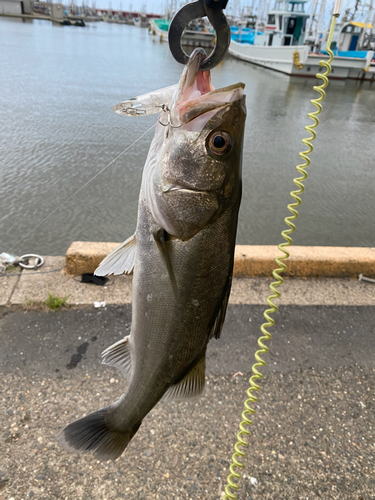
{"type": "Point", "coordinates": [57, 89]}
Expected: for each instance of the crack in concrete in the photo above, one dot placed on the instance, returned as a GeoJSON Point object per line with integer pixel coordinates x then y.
{"type": "Point", "coordinates": [9, 301]}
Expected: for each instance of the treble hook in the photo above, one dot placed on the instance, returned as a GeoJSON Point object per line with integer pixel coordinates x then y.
{"type": "Point", "coordinates": [167, 113]}
{"type": "Point", "coordinates": [213, 10]}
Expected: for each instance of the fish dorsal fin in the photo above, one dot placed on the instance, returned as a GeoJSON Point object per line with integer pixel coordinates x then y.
{"type": "Point", "coordinates": [191, 386]}
{"type": "Point", "coordinates": [118, 355]}
{"type": "Point", "coordinates": [120, 261]}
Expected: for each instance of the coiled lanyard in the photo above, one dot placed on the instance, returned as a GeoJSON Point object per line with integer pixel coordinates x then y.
{"type": "Point", "coordinates": [276, 294]}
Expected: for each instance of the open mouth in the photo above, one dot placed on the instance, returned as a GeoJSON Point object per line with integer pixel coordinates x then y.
{"type": "Point", "coordinates": [180, 104]}
{"type": "Point", "coordinates": [194, 81]}
{"type": "Point", "coordinates": [176, 187]}
{"type": "Point", "coordinates": [197, 95]}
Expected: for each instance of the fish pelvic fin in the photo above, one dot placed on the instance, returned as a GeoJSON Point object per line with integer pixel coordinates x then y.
{"type": "Point", "coordinates": [120, 261]}
{"type": "Point", "coordinates": [191, 386]}
{"type": "Point", "coordinates": [118, 355]}
{"type": "Point", "coordinates": [93, 434]}
{"type": "Point", "coordinates": [161, 238]}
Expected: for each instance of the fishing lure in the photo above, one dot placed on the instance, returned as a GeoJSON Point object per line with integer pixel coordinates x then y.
{"type": "Point", "coordinates": [146, 104]}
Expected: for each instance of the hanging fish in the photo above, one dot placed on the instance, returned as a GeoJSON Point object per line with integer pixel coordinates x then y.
{"type": "Point", "coordinates": [182, 252]}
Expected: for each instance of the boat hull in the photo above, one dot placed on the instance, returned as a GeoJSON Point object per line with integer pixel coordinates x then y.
{"type": "Point", "coordinates": [275, 58]}
{"type": "Point", "coordinates": [298, 61]}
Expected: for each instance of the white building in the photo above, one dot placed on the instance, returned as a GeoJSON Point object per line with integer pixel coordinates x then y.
{"type": "Point", "coordinates": [15, 7]}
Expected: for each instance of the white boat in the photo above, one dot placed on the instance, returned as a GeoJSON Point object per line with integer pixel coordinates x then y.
{"type": "Point", "coordinates": [194, 38]}
{"type": "Point", "coordinates": [281, 47]}
{"type": "Point", "coordinates": [129, 19]}
{"type": "Point", "coordinates": [109, 18]}
{"type": "Point", "coordinates": [345, 41]}
{"type": "Point", "coordinates": [142, 21]}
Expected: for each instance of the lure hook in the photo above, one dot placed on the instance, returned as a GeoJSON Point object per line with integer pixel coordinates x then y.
{"type": "Point", "coordinates": [201, 8]}
{"type": "Point", "coordinates": [167, 113]}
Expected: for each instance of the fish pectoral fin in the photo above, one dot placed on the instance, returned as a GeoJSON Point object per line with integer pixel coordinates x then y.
{"type": "Point", "coordinates": [118, 355]}
{"type": "Point", "coordinates": [219, 317]}
{"type": "Point", "coordinates": [120, 261]}
{"type": "Point", "coordinates": [161, 237]}
{"type": "Point", "coordinates": [191, 386]}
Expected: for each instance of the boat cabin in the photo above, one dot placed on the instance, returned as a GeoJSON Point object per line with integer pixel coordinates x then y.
{"type": "Point", "coordinates": [349, 35]}
{"type": "Point", "coordinates": [286, 24]}
{"type": "Point", "coordinates": [346, 37]}
{"type": "Point", "coordinates": [248, 19]}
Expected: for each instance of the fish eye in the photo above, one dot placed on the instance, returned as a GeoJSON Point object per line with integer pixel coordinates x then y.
{"type": "Point", "coordinates": [219, 143]}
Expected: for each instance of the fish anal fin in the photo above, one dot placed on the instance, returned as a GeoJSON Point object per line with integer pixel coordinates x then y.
{"type": "Point", "coordinates": [118, 355]}
{"type": "Point", "coordinates": [191, 386]}
{"type": "Point", "coordinates": [120, 261]}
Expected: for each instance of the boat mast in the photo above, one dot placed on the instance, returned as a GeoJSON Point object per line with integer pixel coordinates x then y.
{"type": "Point", "coordinates": [257, 20]}
{"type": "Point", "coordinates": [313, 33]}
{"type": "Point", "coordinates": [311, 18]}
{"type": "Point", "coordinates": [363, 31]}
{"type": "Point", "coordinates": [319, 28]}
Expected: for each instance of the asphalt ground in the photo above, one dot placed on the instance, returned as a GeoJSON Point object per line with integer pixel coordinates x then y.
{"type": "Point", "coordinates": [313, 432]}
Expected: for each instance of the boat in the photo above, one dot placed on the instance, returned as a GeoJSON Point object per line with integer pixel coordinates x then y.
{"type": "Point", "coordinates": [141, 21]}
{"type": "Point", "coordinates": [281, 47]}
{"type": "Point", "coordinates": [119, 17]}
{"type": "Point", "coordinates": [345, 42]}
{"type": "Point", "coordinates": [247, 19]}
{"type": "Point", "coordinates": [129, 19]}
{"type": "Point", "coordinates": [198, 37]}
{"type": "Point", "coordinates": [109, 17]}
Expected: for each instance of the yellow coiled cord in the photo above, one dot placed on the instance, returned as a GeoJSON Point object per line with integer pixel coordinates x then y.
{"type": "Point", "coordinates": [292, 207]}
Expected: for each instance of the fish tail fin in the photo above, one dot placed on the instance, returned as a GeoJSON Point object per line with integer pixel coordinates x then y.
{"type": "Point", "coordinates": [93, 433]}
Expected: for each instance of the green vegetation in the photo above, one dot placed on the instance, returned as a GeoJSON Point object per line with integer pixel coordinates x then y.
{"type": "Point", "coordinates": [55, 303]}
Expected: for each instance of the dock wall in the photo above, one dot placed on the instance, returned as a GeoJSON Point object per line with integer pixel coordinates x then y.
{"type": "Point", "coordinates": [254, 260]}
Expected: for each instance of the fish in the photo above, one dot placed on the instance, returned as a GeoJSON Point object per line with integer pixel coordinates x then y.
{"type": "Point", "coordinates": [182, 253]}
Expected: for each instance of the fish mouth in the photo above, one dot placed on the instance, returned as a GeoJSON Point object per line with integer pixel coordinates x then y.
{"type": "Point", "coordinates": [176, 187]}
{"type": "Point", "coordinates": [196, 94]}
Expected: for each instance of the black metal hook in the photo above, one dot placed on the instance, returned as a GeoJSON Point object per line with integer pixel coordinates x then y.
{"type": "Point", "coordinates": [219, 22]}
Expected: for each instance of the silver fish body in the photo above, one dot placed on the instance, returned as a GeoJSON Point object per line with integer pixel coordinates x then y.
{"type": "Point", "coordinates": [183, 252]}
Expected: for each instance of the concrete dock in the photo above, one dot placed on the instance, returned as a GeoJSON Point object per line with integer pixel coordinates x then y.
{"type": "Point", "coordinates": [313, 432]}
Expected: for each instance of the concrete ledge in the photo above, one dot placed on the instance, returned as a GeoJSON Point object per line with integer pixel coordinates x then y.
{"type": "Point", "coordinates": [254, 260]}
{"type": "Point", "coordinates": [85, 256]}
{"type": "Point", "coordinates": [306, 262]}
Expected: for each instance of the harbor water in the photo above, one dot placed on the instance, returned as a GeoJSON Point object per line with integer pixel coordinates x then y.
{"type": "Point", "coordinates": [58, 86]}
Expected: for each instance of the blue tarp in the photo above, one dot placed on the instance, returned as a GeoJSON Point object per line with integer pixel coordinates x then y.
{"type": "Point", "coordinates": [361, 54]}
{"type": "Point", "coordinates": [246, 35]}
